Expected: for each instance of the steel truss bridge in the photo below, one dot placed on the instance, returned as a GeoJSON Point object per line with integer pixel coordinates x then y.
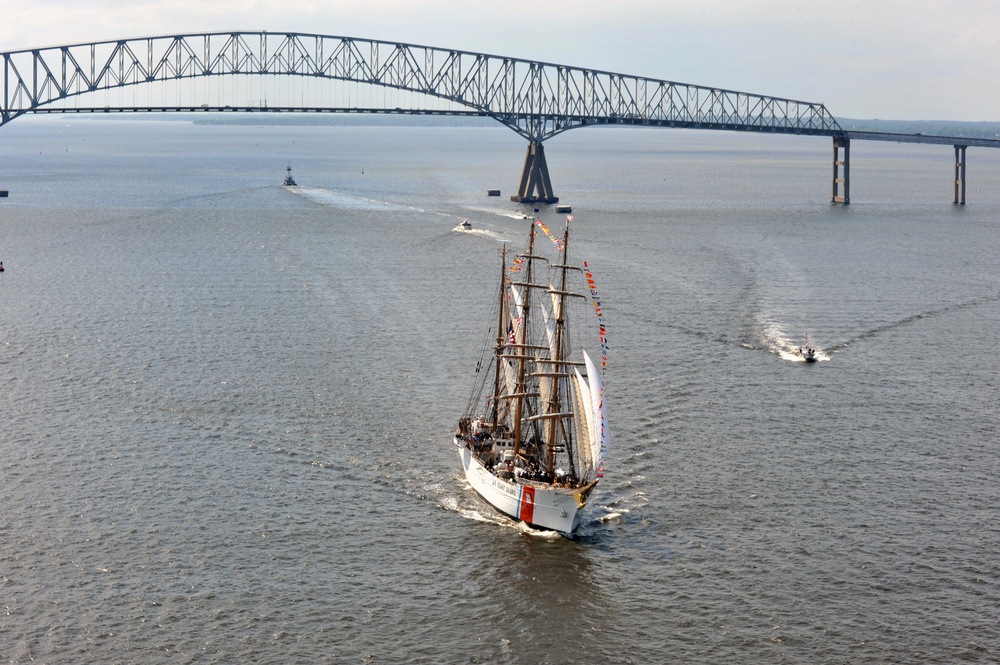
{"type": "Point", "coordinates": [535, 99]}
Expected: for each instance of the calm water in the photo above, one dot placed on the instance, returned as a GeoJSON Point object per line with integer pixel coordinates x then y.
{"type": "Point", "coordinates": [225, 406]}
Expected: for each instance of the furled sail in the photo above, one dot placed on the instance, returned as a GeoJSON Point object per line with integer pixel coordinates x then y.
{"type": "Point", "coordinates": [545, 388]}
{"type": "Point", "coordinates": [513, 334]}
{"type": "Point", "coordinates": [509, 376]}
{"type": "Point", "coordinates": [550, 327]}
{"type": "Point", "coordinates": [516, 313]}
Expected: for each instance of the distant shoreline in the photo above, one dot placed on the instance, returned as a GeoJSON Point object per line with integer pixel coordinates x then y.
{"type": "Point", "coordinates": [983, 129]}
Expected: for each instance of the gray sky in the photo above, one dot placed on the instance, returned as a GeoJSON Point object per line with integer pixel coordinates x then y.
{"type": "Point", "coordinates": [893, 59]}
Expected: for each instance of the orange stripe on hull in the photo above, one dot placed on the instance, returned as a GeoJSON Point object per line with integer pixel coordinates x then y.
{"type": "Point", "coordinates": [526, 504]}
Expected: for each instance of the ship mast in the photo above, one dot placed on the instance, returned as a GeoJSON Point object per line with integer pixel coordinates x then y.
{"type": "Point", "coordinates": [558, 365]}
{"type": "Point", "coordinates": [501, 337]}
{"type": "Point", "coordinates": [521, 389]}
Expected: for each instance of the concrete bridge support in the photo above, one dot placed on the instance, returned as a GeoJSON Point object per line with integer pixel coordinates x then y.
{"type": "Point", "coordinates": [960, 175]}
{"type": "Point", "coordinates": [535, 184]}
{"type": "Point", "coordinates": [836, 197]}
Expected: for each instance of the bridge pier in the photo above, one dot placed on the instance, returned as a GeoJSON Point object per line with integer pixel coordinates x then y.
{"type": "Point", "coordinates": [835, 197]}
{"type": "Point", "coordinates": [535, 184]}
{"type": "Point", "coordinates": [959, 175]}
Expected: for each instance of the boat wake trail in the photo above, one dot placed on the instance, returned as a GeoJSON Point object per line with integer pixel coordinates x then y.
{"type": "Point", "coordinates": [491, 517]}
{"type": "Point", "coordinates": [482, 233]}
{"type": "Point", "coordinates": [181, 202]}
{"type": "Point", "coordinates": [343, 201]}
{"type": "Point", "coordinates": [915, 318]}
{"type": "Point", "coordinates": [471, 507]}
{"type": "Point", "coordinates": [453, 504]}
{"type": "Point", "coordinates": [772, 337]}
{"type": "Point", "coordinates": [501, 213]}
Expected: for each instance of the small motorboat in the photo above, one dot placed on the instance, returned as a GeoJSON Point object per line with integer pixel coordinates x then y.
{"type": "Point", "coordinates": [808, 353]}
{"type": "Point", "coordinates": [464, 225]}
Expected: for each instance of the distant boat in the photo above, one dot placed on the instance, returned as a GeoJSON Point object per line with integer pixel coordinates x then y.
{"type": "Point", "coordinates": [534, 436]}
{"type": "Point", "coordinates": [289, 180]}
{"type": "Point", "coordinates": [464, 225]}
{"type": "Point", "coordinates": [808, 353]}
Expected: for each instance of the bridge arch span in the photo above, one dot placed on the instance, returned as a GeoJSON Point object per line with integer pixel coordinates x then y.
{"type": "Point", "coordinates": [538, 100]}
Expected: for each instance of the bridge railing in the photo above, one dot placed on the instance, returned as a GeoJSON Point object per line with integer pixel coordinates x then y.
{"type": "Point", "coordinates": [535, 99]}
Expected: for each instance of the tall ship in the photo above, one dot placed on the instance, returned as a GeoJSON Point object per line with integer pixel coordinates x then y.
{"type": "Point", "coordinates": [534, 435]}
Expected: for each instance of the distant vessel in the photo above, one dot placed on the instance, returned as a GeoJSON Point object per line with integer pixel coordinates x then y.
{"type": "Point", "coordinates": [289, 180]}
{"type": "Point", "coordinates": [808, 353]}
{"type": "Point", "coordinates": [534, 436]}
{"type": "Point", "coordinates": [464, 225]}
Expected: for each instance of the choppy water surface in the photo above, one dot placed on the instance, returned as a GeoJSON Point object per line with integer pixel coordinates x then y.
{"type": "Point", "coordinates": [225, 405]}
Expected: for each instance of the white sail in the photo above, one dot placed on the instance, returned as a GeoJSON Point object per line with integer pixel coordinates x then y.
{"type": "Point", "coordinates": [585, 443]}
{"type": "Point", "coordinates": [546, 384]}
{"type": "Point", "coordinates": [557, 312]}
{"type": "Point", "coordinates": [599, 426]}
{"type": "Point", "coordinates": [517, 313]}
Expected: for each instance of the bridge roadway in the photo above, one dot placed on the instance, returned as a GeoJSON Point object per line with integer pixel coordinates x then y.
{"type": "Point", "coordinates": [535, 99]}
{"type": "Point", "coordinates": [841, 189]}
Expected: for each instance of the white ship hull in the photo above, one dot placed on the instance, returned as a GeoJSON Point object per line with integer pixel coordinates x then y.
{"type": "Point", "coordinates": [536, 504]}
